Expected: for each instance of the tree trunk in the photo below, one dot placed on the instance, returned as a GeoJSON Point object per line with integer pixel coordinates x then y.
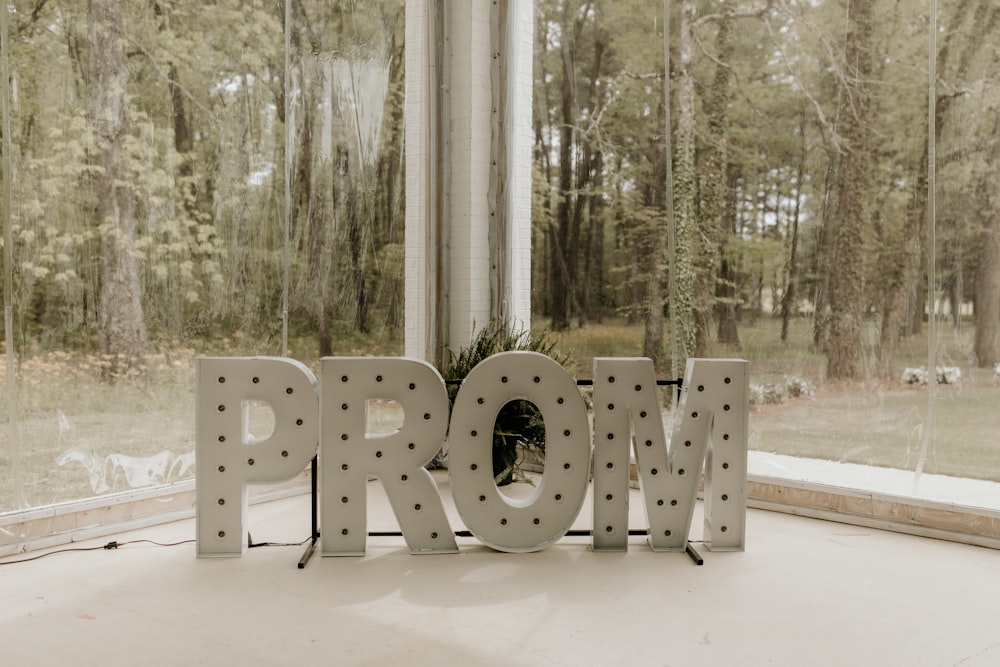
{"type": "Point", "coordinates": [823, 259]}
{"type": "Point", "coordinates": [987, 342]}
{"type": "Point", "coordinates": [355, 240]}
{"type": "Point", "coordinates": [563, 281]}
{"type": "Point", "coordinates": [904, 292]}
{"type": "Point", "coordinates": [589, 199]}
{"type": "Point", "coordinates": [121, 330]}
{"type": "Point", "coordinates": [727, 298]}
{"type": "Point", "coordinates": [851, 207]}
{"type": "Point", "coordinates": [685, 181]}
{"type": "Point", "coordinates": [245, 296]}
{"type": "Point", "coordinates": [318, 199]}
{"type": "Point", "coordinates": [653, 252]}
{"type": "Point", "coordinates": [986, 345]}
{"type": "Point", "coordinates": [593, 245]}
{"type": "Point", "coordinates": [184, 145]}
{"type": "Point", "coordinates": [712, 174]}
{"type": "Point", "coordinates": [900, 259]}
{"type": "Point", "coordinates": [789, 296]}
{"type": "Point", "coordinates": [652, 345]}
{"type": "Point", "coordinates": [957, 291]}
{"type": "Point", "coordinates": [390, 176]}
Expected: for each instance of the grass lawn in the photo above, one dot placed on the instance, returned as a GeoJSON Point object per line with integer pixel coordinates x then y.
{"type": "Point", "coordinates": [885, 427]}
{"type": "Point", "coordinates": [64, 406]}
{"type": "Point", "coordinates": [874, 423]}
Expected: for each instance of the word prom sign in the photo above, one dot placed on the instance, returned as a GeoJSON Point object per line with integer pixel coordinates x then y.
{"type": "Point", "coordinates": [331, 415]}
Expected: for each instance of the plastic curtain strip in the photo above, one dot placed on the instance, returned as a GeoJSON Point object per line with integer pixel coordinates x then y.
{"type": "Point", "coordinates": [8, 281]}
{"type": "Point", "coordinates": [669, 197]}
{"type": "Point", "coordinates": [928, 430]}
{"type": "Point", "coordinates": [287, 208]}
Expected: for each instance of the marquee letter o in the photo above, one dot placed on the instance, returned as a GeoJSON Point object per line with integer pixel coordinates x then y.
{"type": "Point", "coordinates": [532, 523]}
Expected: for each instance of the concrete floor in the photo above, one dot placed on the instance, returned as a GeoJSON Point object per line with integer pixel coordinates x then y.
{"type": "Point", "coordinates": [805, 592]}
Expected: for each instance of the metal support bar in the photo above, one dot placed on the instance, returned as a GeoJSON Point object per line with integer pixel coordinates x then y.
{"type": "Point", "coordinates": [314, 537]}
{"type": "Point", "coordinates": [590, 383]}
{"type": "Point", "coordinates": [641, 532]}
{"type": "Point", "coordinates": [314, 498]}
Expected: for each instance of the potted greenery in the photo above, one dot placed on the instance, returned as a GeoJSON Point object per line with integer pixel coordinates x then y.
{"type": "Point", "coordinates": [519, 427]}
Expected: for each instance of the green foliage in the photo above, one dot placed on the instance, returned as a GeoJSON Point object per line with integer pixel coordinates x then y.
{"type": "Point", "coordinates": [206, 98]}
{"type": "Point", "coordinates": [211, 210]}
{"type": "Point", "coordinates": [519, 427]}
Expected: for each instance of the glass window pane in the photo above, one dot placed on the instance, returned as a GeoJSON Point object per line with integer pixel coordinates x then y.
{"type": "Point", "coordinates": [152, 222]}
{"type": "Point", "coordinates": [799, 203]}
{"type": "Point", "coordinates": [227, 179]}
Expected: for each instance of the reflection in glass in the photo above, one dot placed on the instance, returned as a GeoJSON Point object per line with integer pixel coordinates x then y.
{"type": "Point", "coordinates": [149, 214]}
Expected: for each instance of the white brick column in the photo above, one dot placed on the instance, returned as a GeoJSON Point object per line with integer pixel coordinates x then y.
{"type": "Point", "coordinates": [449, 106]}
{"type": "Point", "coordinates": [520, 53]}
{"type": "Point", "coordinates": [468, 143]}
{"type": "Point", "coordinates": [419, 61]}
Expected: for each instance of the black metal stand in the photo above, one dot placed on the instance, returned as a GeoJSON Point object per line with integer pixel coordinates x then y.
{"type": "Point", "coordinates": [315, 517]}
{"type": "Point", "coordinates": [314, 537]}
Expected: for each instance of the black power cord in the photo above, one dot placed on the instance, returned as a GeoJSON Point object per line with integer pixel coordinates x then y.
{"type": "Point", "coordinates": [114, 544]}
{"type": "Point", "coordinates": [252, 545]}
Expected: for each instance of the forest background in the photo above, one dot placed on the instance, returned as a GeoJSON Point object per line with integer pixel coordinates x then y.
{"type": "Point", "coordinates": [180, 217]}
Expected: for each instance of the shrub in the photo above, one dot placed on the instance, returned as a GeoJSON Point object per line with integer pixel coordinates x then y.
{"type": "Point", "coordinates": [519, 425]}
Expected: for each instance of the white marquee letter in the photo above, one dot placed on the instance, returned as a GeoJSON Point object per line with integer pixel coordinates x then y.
{"type": "Point", "coordinates": [228, 458]}
{"type": "Point", "coordinates": [533, 523]}
{"type": "Point", "coordinates": [349, 454]}
{"type": "Point", "coordinates": [712, 415]}
{"type": "Point", "coordinates": [726, 397]}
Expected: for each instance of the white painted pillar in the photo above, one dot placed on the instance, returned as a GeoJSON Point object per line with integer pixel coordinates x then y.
{"type": "Point", "coordinates": [468, 148]}
{"type": "Point", "coordinates": [421, 71]}
{"type": "Point", "coordinates": [468, 221]}
{"type": "Point", "coordinates": [520, 52]}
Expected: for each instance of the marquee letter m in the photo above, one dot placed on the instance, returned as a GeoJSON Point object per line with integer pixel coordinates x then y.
{"type": "Point", "coordinates": [710, 427]}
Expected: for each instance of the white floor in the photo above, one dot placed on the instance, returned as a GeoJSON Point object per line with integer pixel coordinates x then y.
{"type": "Point", "coordinates": [805, 592]}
